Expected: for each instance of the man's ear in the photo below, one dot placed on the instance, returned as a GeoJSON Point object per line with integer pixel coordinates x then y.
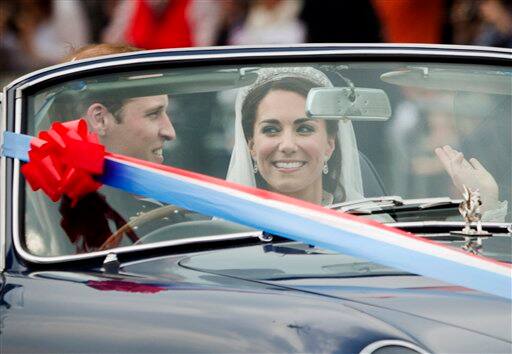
{"type": "Point", "coordinates": [97, 116]}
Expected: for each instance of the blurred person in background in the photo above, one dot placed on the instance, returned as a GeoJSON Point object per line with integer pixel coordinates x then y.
{"type": "Point", "coordinates": [216, 22]}
{"type": "Point", "coordinates": [43, 30]}
{"type": "Point", "coordinates": [159, 24]}
{"type": "Point", "coordinates": [11, 51]}
{"type": "Point", "coordinates": [496, 28]}
{"type": "Point", "coordinates": [184, 23]}
{"type": "Point", "coordinates": [421, 122]}
{"type": "Point", "coordinates": [412, 21]}
{"type": "Point", "coordinates": [150, 24]}
{"type": "Point", "coordinates": [206, 19]}
{"type": "Point", "coordinates": [172, 23]}
{"type": "Point", "coordinates": [271, 22]}
{"type": "Point", "coordinates": [486, 22]}
{"type": "Point", "coordinates": [99, 13]}
{"type": "Point", "coordinates": [464, 21]}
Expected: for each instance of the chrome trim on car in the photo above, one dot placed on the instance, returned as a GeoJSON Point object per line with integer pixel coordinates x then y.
{"type": "Point", "coordinates": [220, 53]}
{"type": "Point", "coordinates": [370, 349]}
{"type": "Point", "coordinates": [337, 46]}
{"type": "Point", "coordinates": [3, 184]}
{"type": "Point", "coordinates": [455, 224]}
{"type": "Point", "coordinates": [17, 115]}
{"type": "Point", "coordinates": [15, 204]}
{"type": "Point", "coordinates": [326, 50]}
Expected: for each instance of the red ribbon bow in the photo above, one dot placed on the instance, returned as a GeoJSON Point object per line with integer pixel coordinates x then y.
{"type": "Point", "coordinates": [64, 159]}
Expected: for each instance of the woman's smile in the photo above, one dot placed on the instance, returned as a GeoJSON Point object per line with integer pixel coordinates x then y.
{"type": "Point", "coordinates": [288, 166]}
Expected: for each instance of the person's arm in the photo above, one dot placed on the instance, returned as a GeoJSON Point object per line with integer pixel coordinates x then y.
{"type": "Point", "coordinates": [473, 175]}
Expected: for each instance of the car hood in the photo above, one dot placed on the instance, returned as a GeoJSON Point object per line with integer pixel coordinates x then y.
{"type": "Point", "coordinates": [219, 301]}
{"type": "Point", "coordinates": [372, 285]}
{"type": "Point", "coordinates": [156, 306]}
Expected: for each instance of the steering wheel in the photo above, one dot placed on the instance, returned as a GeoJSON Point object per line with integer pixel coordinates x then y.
{"type": "Point", "coordinates": [165, 211]}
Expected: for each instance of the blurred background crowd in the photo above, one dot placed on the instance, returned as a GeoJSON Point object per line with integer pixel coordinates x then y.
{"type": "Point", "coordinates": [38, 33]}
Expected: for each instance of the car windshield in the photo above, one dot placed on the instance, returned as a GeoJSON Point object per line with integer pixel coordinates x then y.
{"type": "Point", "coordinates": [323, 132]}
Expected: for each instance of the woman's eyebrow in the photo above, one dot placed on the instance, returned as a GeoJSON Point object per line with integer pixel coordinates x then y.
{"type": "Point", "coordinates": [269, 121]}
{"type": "Point", "coordinates": [302, 120]}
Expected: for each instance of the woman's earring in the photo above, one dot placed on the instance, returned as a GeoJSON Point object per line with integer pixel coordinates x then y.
{"type": "Point", "coordinates": [255, 167]}
{"type": "Point", "coordinates": [325, 170]}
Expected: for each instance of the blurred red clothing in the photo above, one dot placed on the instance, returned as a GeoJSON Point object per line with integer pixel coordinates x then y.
{"type": "Point", "coordinates": [411, 21]}
{"type": "Point", "coordinates": [168, 29]}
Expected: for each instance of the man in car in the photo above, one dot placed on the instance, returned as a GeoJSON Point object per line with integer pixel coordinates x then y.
{"type": "Point", "coordinates": [128, 124]}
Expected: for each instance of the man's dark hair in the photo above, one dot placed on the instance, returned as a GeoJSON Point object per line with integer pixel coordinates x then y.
{"type": "Point", "coordinates": [113, 105]}
{"type": "Point", "coordinates": [68, 106]}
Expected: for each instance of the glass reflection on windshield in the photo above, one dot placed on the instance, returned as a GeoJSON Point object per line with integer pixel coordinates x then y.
{"type": "Point", "coordinates": [251, 126]}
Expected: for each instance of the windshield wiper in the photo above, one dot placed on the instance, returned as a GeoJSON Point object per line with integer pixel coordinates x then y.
{"type": "Point", "coordinates": [385, 204]}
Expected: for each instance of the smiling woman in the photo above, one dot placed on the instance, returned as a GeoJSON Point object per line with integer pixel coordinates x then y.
{"type": "Point", "coordinates": [289, 151]}
{"type": "Point", "coordinates": [314, 160]}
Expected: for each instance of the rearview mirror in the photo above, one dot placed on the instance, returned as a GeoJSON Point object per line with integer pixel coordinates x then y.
{"type": "Point", "coordinates": [345, 102]}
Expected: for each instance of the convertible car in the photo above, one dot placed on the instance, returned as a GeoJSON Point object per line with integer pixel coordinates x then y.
{"type": "Point", "coordinates": [142, 210]}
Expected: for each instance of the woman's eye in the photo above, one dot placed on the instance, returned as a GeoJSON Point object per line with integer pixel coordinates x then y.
{"type": "Point", "coordinates": [305, 129]}
{"type": "Point", "coordinates": [269, 129]}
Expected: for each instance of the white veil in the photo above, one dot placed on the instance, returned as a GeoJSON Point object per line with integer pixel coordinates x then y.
{"type": "Point", "coordinates": [240, 166]}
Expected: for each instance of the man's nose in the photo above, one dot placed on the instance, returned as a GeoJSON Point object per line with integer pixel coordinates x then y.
{"type": "Point", "coordinates": [288, 143]}
{"type": "Point", "coordinates": [167, 129]}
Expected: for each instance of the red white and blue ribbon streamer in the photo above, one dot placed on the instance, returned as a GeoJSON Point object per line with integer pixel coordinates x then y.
{"type": "Point", "coordinates": [296, 220]}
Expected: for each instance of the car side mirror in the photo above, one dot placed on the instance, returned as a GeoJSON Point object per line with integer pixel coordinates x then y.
{"type": "Point", "coordinates": [365, 104]}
